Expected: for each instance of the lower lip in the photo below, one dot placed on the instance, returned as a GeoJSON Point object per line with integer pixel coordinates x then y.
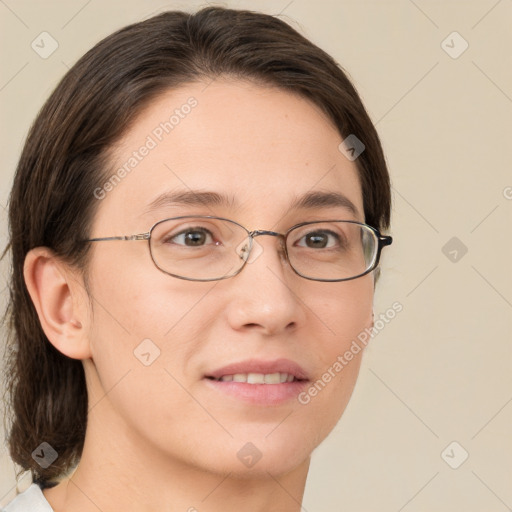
{"type": "Point", "coordinates": [259, 394]}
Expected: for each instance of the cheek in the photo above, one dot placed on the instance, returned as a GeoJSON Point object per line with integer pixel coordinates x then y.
{"type": "Point", "coordinates": [138, 370]}
{"type": "Point", "coordinates": [346, 310]}
{"type": "Point", "coordinates": [346, 313]}
{"type": "Point", "coordinates": [132, 299]}
{"type": "Point", "coordinates": [141, 338]}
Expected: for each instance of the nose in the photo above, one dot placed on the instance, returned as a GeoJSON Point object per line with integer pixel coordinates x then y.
{"type": "Point", "coordinates": [265, 293]}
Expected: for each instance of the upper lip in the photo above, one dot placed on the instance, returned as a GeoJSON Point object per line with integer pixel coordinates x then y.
{"type": "Point", "coordinates": [259, 366]}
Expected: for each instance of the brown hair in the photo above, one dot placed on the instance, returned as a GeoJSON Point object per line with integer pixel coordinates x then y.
{"type": "Point", "coordinates": [65, 158]}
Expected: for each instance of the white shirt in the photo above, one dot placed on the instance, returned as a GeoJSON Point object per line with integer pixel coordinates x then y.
{"type": "Point", "coordinates": [30, 500]}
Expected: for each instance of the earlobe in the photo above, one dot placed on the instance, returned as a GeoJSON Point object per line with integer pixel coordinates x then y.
{"type": "Point", "coordinates": [55, 295]}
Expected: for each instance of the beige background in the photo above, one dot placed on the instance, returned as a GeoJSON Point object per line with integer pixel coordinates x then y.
{"type": "Point", "coordinates": [441, 370]}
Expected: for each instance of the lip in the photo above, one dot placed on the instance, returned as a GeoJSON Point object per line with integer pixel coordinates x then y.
{"type": "Point", "coordinates": [259, 394]}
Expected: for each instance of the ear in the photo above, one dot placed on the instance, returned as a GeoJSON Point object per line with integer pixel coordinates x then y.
{"type": "Point", "coordinates": [60, 300]}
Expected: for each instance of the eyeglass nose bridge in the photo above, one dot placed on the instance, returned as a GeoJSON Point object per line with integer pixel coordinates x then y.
{"type": "Point", "coordinates": [259, 232]}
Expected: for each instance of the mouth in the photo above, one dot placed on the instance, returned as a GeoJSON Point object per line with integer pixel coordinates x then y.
{"type": "Point", "coordinates": [258, 378]}
{"type": "Point", "coordinates": [259, 382]}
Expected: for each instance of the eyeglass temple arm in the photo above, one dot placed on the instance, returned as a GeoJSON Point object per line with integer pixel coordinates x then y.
{"type": "Point", "coordinates": [141, 236]}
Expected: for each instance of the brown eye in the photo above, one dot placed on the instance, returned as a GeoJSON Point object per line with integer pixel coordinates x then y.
{"type": "Point", "coordinates": [191, 237]}
{"type": "Point", "coordinates": [320, 239]}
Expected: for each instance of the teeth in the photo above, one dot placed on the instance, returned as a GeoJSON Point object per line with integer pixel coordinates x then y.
{"type": "Point", "coordinates": [259, 378]}
{"type": "Point", "coordinates": [255, 378]}
{"type": "Point", "coordinates": [272, 378]}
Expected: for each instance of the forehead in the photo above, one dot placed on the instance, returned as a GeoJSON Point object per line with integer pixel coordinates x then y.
{"type": "Point", "coordinates": [262, 148]}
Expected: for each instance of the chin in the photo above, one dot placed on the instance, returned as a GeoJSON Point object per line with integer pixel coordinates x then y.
{"type": "Point", "coordinates": [275, 464]}
{"type": "Point", "coordinates": [257, 455]}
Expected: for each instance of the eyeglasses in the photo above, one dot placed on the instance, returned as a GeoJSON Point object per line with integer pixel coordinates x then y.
{"type": "Point", "coordinates": [208, 248]}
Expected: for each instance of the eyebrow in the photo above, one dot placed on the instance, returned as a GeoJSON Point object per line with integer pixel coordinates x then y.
{"type": "Point", "coordinates": [308, 201]}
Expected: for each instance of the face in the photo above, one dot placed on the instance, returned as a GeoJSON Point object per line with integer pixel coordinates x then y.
{"type": "Point", "coordinates": [157, 340]}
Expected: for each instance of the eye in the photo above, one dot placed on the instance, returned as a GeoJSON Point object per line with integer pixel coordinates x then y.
{"type": "Point", "coordinates": [191, 237]}
{"type": "Point", "coordinates": [320, 239]}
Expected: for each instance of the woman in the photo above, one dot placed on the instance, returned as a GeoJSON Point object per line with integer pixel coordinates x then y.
{"type": "Point", "coordinates": [195, 229]}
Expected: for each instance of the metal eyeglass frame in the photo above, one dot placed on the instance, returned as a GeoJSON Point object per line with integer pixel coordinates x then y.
{"type": "Point", "coordinates": [382, 241]}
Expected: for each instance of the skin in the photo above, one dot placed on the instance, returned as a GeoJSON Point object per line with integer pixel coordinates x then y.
{"type": "Point", "coordinates": [157, 437]}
